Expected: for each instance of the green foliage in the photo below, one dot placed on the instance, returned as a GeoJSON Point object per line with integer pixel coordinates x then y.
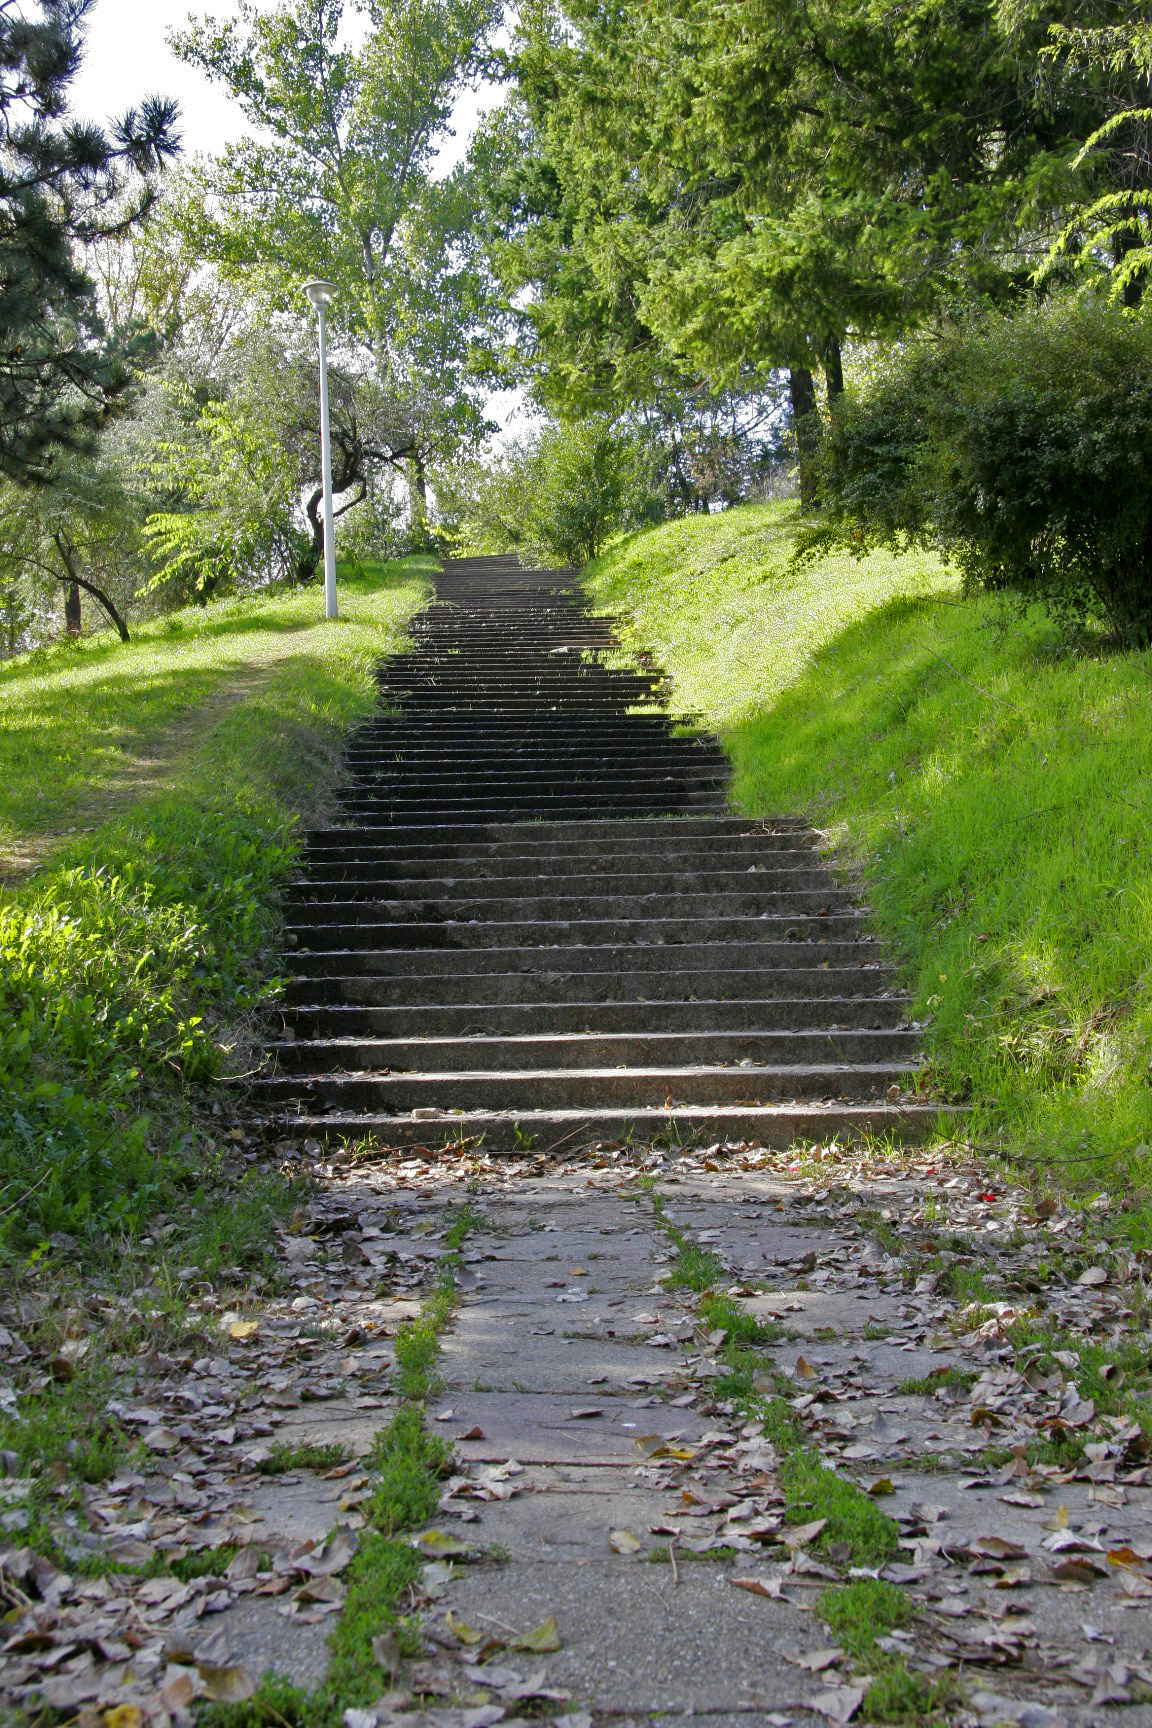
{"type": "Point", "coordinates": [556, 497]}
{"type": "Point", "coordinates": [307, 1455]}
{"type": "Point", "coordinates": [775, 178]}
{"type": "Point", "coordinates": [1022, 447]}
{"type": "Point", "coordinates": [335, 178]}
{"type": "Point", "coordinates": [232, 468]}
{"type": "Point", "coordinates": [695, 1268]}
{"type": "Point", "coordinates": [132, 961]}
{"type": "Point", "coordinates": [408, 1463]}
{"type": "Point", "coordinates": [1111, 231]}
{"type": "Point", "coordinates": [854, 1521]}
{"type": "Point", "coordinates": [205, 1562]}
{"type": "Point", "coordinates": [858, 1613]}
{"type": "Point", "coordinates": [379, 1581]}
{"type": "Point", "coordinates": [64, 1429]}
{"type": "Point", "coordinates": [989, 786]}
{"type": "Point", "coordinates": [60, 376]}
{"type": "Point", "coordinates": [104, 972]}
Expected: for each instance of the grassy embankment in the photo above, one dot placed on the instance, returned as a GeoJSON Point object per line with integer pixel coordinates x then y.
{"type": "Point", "coordinates": [992, 785]}
{"type": "Point", "coordinates": [149, 799]}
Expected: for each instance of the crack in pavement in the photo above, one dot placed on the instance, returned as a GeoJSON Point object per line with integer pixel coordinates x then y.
{"type": "Point", "coordinates": [605, 1478]}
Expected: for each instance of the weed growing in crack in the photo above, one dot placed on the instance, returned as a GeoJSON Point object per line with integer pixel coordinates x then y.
{"type": "Point", "coordinates": [855, 1524]}
{"type": "Point", "coordinates": [308, 1455]}
{"type": "Point", "coordinates": [374, 1632]}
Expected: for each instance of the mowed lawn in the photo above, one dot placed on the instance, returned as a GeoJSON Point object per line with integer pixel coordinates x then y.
{"type": "Point", "coordinates": [988, 780]}
{"type": "Point", "coordinates": [151, 796]}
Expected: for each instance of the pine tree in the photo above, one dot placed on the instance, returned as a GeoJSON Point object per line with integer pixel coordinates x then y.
{"type": "Point", "coordinates": [62, 186]}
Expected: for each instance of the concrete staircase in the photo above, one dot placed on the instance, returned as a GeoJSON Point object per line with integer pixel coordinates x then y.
{"type": "Point", "coordinates": [540, 923]}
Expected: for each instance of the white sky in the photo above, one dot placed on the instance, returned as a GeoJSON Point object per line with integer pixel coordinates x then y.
{"type": "Point", "coordinates": [128, 57]}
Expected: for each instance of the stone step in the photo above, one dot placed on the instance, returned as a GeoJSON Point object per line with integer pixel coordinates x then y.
{"type": "Point", "coordinates": [558, 880]}
{"type": "Point", "coordinates": [344, 904]}
{"type": "Point", "coordinates": [556, 1131]}
{"type": "Point", "coordinates": [584, 1088]}
{"type": "Point", "coordinates": [538, 919]}
{"type": "Point", "coordinates": [835, 938]}
{"type": "Point", "coordinates": [486, 1018]}
{"type": "Point", "coordinates": [568, 1050]}
{"type": "Point", "coordinates": [485, 860]}
{"type": "Point", "coordinates": [333, 979]}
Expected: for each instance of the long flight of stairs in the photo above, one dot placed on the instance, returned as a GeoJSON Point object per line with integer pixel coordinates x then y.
{"type": "Point", "coordinates": [538, 921]}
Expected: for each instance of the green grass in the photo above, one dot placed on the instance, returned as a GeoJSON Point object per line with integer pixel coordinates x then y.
{"type": "Point", "coordinates": [308, 1455]}
{"type": "Point", "coordinates": [408, 1465]}
{"type": "Point", "coordinates": [855, 1524]}
{"type": "Point", "coordinates": [992, 786]}
{"type": "Point", "coordinates": [867, 1609]}
{"type": "Point", "coordinates": [858, 1613]}
{"type": "Point", "coordinates": [153, 790]}
{"type": "Point", "coordinates": [960, 1378]}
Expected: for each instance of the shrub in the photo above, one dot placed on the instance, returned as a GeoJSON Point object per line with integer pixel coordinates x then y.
{"type": "Point", "coordinates": [116, 980]}
{"type": "Point", "coordinates": [1021, 447]}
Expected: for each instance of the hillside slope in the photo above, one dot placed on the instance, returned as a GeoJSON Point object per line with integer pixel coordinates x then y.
{"type": "Point", "coordinates": [992, 787]}
{"type": "Point", "coordinates": [149, 799]}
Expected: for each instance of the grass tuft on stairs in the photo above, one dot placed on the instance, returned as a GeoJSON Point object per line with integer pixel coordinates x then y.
{"type": "Point", "coordinates": [991, 783]}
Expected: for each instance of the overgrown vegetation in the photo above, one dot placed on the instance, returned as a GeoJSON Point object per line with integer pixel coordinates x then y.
{"type": "Point", "coordinates": [134, 958]}
{"type": "Point", "coordinates": [988, 781]}
{"type": "Point", "coordinates": [1018, 446]}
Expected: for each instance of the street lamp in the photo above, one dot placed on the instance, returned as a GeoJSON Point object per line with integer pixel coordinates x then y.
{"type": "Point", "coordinates": [320, 293]}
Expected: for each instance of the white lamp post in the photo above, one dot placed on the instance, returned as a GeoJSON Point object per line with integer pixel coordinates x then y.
{"type": "Point", "coordinates": [320, 293]}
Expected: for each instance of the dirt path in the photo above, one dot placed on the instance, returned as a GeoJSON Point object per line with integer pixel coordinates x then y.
{"type": "Point", "coordinates": [631, 1526]}
{"type": "Point", "coordinates": [153, 765]}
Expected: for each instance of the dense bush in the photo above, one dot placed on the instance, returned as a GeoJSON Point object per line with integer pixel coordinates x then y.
{"type": "Point", "coordinates": [1021, 448]}
{"type": "Point", "coordinates": [115, 981]}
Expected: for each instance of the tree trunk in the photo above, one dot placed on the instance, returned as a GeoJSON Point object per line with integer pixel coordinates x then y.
{"type": "Point", "coordinates": [833, 362]}
{"type": "Point", "coordinates": [1133, 291]}
{"type": "Point", "coordinates": [806, 420]}
{"type": "Point", "coordinates": [309, 561]}
{"type": "Point", "coordinates": [418, 500]}
{"type": "Point", "coordinates": [72, 621]}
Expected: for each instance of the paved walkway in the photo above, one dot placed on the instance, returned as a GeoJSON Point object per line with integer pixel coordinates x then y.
{"type": "Point", "coordinates": [606, 1479]}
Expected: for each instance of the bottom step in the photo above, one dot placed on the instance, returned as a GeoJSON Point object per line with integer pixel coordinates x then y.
{"type": "Point", "coordinates": [545, 1131]}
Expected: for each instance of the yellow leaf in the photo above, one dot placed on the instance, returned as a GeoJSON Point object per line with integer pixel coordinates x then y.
{"type": "Point", "coordinates": [244, 1328]}
{"type": "Point", "coordinates": [1058, 1520]}
{"type": "Point", "coordinates": [227, 1685]}
{"type": "Point", "coordinates": [460, 1629]}
{"type": "Point", "coordinates": [437, 1543]}
{"type": "Point", "coordinates": [882, 1485]}
{"type": "Point", "coordinates": [624, 1542]}
{"type": "Point", "coordinates": [685, 1454]}
{"type": "Point", "coordinates": [541, 1640]}
{"type": "Point", "coordinates": [805, 1370]}
{"type": "Point", "coordinates": [124, 1716]}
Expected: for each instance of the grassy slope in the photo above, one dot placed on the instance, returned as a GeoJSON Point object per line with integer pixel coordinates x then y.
{"type": "Point", "coordinates": [156, 788]}
{"type": "Point", "coordinates": [994, 791]}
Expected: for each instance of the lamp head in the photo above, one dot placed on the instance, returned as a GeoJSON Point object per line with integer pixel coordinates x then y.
{"type": "Point", "coordinates": [320, 293]}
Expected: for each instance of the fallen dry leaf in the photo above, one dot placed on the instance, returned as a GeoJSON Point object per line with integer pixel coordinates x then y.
{"type": "Point", "coordinates": [541, 1640]}
{"type": "Point", "coordinates": [839, 1704]}
{"type": "Point", "coordinates": [624, 1542]}
{"type": "Point", "coordinates": [769, 1587]}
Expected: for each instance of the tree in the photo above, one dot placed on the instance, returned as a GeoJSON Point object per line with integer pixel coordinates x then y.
{"type": "Point", "coordinates": [62, 185]}
{"type": "Point", "coordinates": [556, 495]}
{"type": "Point", "coordinates": [1111, 231]}
{"type": "Point", "coordinates": [337, 180]}
{"type": "Point", "coordinates": [741, 185]}
{"type": "Point", "coordinates": [236, 458]}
